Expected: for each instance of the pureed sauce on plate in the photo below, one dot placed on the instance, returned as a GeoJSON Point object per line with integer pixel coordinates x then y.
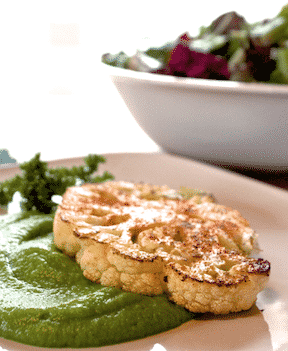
{"type": "Point", "coordinates": [46, 301]}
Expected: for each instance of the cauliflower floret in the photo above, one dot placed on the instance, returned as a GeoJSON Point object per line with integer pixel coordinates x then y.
{"type": "Point", "coordinates": [200, 295]}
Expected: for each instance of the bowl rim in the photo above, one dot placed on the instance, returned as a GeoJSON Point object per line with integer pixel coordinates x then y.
{"type": "Point", "coordinates": [196, 83]}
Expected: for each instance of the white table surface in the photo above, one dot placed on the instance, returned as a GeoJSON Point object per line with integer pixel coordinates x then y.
{"type": "Point", "coordinates": [54, 97]}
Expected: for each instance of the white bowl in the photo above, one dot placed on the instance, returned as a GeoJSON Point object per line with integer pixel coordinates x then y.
{"type": "Point", "coordinates": [223, 122]}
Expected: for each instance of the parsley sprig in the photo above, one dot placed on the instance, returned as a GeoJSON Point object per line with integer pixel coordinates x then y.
{"type": "Point", "coordinates": [38, 183]}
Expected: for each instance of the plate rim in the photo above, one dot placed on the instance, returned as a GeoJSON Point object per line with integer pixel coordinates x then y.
{"type": "Point", "coordinates": [54, 162]}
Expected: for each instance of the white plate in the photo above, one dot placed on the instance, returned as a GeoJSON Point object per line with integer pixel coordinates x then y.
{"type": "Point", "coordinates": [265, 326]}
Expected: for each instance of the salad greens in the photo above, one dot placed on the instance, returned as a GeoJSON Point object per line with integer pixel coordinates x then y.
{"type": "Point", "coordinates": [38, 183]}
{"type": "Point", "coordinates": [229, 48]}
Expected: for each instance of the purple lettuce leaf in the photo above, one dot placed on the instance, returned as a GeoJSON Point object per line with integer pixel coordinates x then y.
{"type": "Point", "coordinates": [185, 62]}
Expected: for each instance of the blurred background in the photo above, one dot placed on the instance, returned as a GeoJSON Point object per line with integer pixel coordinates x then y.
{"type": "Point", "coordinates": [55, 99]}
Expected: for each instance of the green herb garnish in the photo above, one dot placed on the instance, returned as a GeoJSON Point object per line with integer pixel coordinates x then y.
{"type": "Point", "coordinates": [38, 183]}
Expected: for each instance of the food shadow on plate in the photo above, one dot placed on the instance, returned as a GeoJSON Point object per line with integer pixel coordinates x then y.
{"type": "Point", "coordinates": [253, 311]}
{"type": "Point", "coordinates": [246, 330]}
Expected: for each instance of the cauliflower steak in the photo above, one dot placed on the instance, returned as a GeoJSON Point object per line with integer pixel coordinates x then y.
{"type": "Point", "coordinates": [152, 240]}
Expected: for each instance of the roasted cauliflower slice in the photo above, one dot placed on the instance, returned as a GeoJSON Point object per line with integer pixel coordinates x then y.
{"type": "Point", "coordinates": [152, 239]}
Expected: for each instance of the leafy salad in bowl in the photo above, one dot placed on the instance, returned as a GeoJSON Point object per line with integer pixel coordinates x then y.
{"type": "Point", "coordinates": [229, 48]}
